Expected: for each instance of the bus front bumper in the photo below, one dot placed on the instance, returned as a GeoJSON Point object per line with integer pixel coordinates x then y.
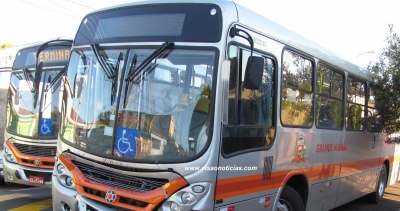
{"type": "Point", "coordinates": [15, 173]}
{"type": "Point", "coordinates": [67, 199]}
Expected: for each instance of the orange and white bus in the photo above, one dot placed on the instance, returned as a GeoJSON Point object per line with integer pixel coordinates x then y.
{"type": "Point", "coordinates": [33, 112]}
{"type": "Point", "coordinates": [206, 105]}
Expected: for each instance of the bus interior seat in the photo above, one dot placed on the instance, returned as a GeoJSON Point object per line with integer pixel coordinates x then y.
{"type": "Point", "coordinates": [325, 119]}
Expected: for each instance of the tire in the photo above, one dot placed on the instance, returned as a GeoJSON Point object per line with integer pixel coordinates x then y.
{"type": "Point", "coordinates": [377, 196]}
{"type": "Point", "coordinates": [290, 200]}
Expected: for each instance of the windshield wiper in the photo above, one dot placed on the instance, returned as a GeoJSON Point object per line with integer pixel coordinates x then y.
{"type": "Point", "coordinates": [56, 80]}
{"type": "Point", "coordinates": [106, 68]}
{"type": "Point", "coordinates": [18, 76]}
{"type": "Point", "coordinates": [132, 75]}
{"type": "Point", "coordinates": [132, 67]}
{"type": "Point", "coordinates": [109, 70]}
{"type": "Point", "coordinates": [39, 67]}
{"type": "Point", "coordinates": [115, 79]}
{"type": "Point", "coordinates": [28, 79]}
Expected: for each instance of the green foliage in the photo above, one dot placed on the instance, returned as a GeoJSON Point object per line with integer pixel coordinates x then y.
{"type": "Point", "coordinates": [354, 119]}
{"type": "Point", "coordinates": [386, 86]}
{"type": "Point", "coordinates": [6, 45]}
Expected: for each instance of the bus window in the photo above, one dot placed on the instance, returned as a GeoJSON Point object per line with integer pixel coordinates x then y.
{"type": "Point", "coordinates": [355, 104]}
{"type": "Point", "coordinates": [250, 111]}
{"type": "Point", "coordinates": [297, 87]}
{"type": "Point", "coordinates": [372, 114]}
{"type": "Point", "coordinates": [329, 111]}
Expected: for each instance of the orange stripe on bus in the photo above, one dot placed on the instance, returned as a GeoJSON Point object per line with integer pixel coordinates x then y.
{"type": "Point", "coordinates": [232, 187]}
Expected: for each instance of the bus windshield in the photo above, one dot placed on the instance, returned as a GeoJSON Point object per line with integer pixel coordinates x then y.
{"type": "Point", "coordinates": [34, 112]}
{"type": "Point", "coordinates": [159, 112]}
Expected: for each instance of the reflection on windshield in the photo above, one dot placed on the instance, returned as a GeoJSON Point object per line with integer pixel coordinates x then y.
{"type": "Point", "coordinates": [162, 117]}
{"type": "Point", "coordinates": [26, 119]}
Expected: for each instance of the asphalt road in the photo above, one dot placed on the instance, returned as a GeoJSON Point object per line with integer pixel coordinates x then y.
{"type": "Point", "coordinates": [390, 202]}
{"type": "Point", "coordinates": [26, 198]}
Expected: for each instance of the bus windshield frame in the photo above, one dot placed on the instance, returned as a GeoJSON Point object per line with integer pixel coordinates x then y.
{"type": "Point", "coordinates": [33, 111]}
{"type": "Point", "coordinates": [150, 119]}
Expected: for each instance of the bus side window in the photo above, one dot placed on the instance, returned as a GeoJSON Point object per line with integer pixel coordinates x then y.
{"type": "Point", "coordinates": [297, 90]}
{"type": "Point", "coordinates": [329, 98]}
{"type": "Point", "coordinates": [250, 122]}
{"type": "Point", "coordinates": [355, 114]}
{"type": "Point", "coordinates": [372, 116]}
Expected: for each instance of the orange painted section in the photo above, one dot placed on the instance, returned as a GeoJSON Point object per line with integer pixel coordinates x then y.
{"type": "Point", "coordinates": [231, 187]}
{"type": "Point", "coordinates": [175, 185]}
{"type": "Point", "coordinates": [357, 166]}
{"type": "Point", "coordinates": [237, 186]}
{"type": "Point", "coordinates": [225, 188]}
{"type": "Point", "coordinates": [21, 156]}
{"type": "Point", "coordinates": [153, 197]}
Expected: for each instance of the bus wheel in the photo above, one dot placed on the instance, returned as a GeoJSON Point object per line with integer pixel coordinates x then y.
{"type": "Point", "coordinates": [290, 200]}
{"type": "Point", "coordinates": [377, 196]}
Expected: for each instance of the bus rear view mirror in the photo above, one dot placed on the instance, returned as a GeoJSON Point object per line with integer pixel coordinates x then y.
{"type": "Point", "coordinates": [254, 72]}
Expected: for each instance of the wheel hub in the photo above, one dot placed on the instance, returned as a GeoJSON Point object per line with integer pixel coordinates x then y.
{"type": "Point", "coordinates": [281, 207]}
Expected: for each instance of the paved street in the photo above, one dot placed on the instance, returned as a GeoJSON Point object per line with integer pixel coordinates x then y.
{"type": "Point", "coordinates": [391, 202]}
{"type": "Point", "coordinates": [25, 198]}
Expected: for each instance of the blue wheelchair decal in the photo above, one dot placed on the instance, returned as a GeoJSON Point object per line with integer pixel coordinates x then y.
{"type": "Point", "coordinates": [125, 144]}
{"type": "Point", "coordinates": [46, 127]}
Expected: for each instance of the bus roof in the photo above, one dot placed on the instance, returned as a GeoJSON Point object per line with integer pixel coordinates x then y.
{"type": "Point", "coordinates": [272, 30]}
{"type": "Point", "coordinates": [292, 39]}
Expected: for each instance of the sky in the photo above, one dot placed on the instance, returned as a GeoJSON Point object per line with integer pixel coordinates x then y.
{"type": "Point", "coordinates": [354, 29]}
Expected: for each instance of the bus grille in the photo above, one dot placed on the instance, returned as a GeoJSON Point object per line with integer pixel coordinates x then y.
{"type": "Point", "coordinates": [44, 151]}
{"type": "Point", "coordinates": [122, 199]}
{"type": "Point", "coordinates": [115, 179]}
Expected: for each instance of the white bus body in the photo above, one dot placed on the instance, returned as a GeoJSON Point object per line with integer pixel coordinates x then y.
{"type": "Point", "coordinates": [33, 113]}
{"type": "Point", "coordinates": [297, 134]}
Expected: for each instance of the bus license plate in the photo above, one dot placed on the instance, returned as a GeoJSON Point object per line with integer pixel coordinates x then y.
{"type": "Point", "coordinates": [36, 180]}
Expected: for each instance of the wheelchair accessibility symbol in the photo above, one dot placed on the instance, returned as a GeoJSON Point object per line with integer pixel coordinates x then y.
{"type": "Point", "coordinates": [126, 141]}
{"type": "Point", "coordinates": [46, 127]}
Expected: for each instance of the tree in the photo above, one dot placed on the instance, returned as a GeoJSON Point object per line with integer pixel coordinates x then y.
{"type": "Point", "coordinates": [386, 86]}
{"type": "Point", "coordinates": [6, 45]}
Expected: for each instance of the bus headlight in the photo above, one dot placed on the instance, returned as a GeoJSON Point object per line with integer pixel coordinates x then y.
{"type": "Point", "coordinates": [60, 168]}
{"type": "Point", "coordinates": [64, 176]}
{"type": "Point", "coordinates": [187, 198]}
{"type": "Point", "coordinates": [9, 155]}
{"type": "Point", "coordinates": [174, 206]}
{"type": "Point", "coordinates": [69, 181]}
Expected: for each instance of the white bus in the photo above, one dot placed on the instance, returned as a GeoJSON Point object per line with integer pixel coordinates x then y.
{"type": "Point", "coordinates": [33, 112]}
{"type": "Point", "coordinates": [206, 105]}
